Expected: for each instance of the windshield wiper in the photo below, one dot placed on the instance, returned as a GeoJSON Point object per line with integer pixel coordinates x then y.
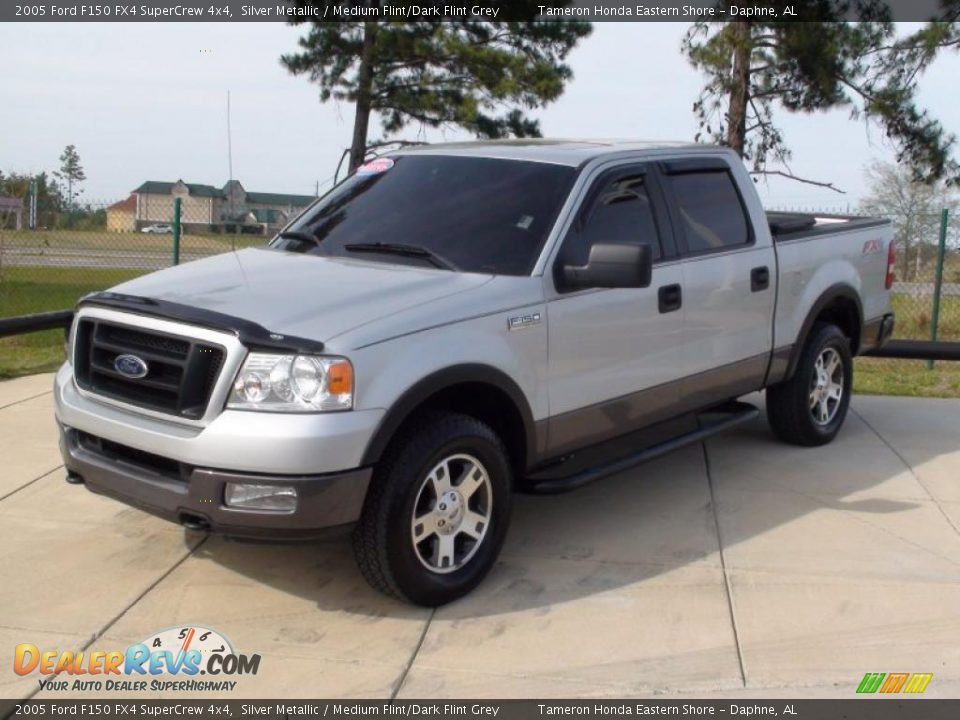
{"type": "Point", "coordinates": [298, 235]}
{"type": "Point", "coordinates": [404, 249]}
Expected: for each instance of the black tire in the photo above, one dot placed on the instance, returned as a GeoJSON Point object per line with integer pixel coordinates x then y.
{"type": "Point", "coordinates": [789, 403]}
{"type": "Point", "coordinates": [383, 542]}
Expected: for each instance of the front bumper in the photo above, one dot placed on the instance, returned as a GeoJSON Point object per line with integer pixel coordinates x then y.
{"type": "Point", "coordinates": [238, 440]}
{"type": "Point", "coordinates": [194, 496]}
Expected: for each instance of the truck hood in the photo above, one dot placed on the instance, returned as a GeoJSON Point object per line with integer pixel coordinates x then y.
{"type": "Point", "coordinates": [300, 295]}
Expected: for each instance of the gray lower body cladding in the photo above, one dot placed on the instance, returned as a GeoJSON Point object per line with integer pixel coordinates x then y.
{"type": "Point", "coordinates": [195, 496]}
{"type": "Point", "coordinates": [876, 332]}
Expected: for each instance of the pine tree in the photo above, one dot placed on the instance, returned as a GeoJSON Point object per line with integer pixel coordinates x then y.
{"type": "Point", "coordinates": [753, 69]}
{"type": "Point", "coordinates": [478, 75]}
{"type": "Point", "coordinates": [71, 172]}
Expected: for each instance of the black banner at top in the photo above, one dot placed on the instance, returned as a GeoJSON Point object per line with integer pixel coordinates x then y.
{"type": "Point", "coordinates": [499, 10]}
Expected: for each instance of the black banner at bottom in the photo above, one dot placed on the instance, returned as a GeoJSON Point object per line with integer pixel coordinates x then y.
{"type": "Point", "coordinates": [864, 708]}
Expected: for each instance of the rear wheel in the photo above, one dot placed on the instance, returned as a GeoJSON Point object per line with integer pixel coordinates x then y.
{"type": "Point", "coordinates": [437, 510]}
{"type": "Point", "coordinates": [809, 409]}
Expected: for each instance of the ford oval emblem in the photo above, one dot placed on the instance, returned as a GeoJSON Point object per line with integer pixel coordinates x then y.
{"type": "Point", "coordinates": [131, 366]}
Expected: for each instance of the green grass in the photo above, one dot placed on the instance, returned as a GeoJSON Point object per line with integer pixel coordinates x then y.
{"type": "Point", "coordinates": [25, 290]}
{"type": "Point", "coordinates": [101, 240]}
{"type": "Point", "coordinates": [879, 376]}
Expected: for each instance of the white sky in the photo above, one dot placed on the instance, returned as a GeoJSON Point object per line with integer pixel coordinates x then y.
{"type": "Point", "coordinates": [148, 102]}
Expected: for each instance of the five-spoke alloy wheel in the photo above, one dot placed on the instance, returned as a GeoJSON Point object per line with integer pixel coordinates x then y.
{"type": "Point", "coordinates": [826, 386]}
{"type": "Point", "coordinates": [452, 513]}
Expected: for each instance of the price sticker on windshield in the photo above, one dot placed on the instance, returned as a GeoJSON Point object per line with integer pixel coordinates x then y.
{"type": "Point", "coordinates": [375, 167]}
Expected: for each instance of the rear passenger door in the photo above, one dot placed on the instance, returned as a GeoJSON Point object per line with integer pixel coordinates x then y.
{"type": "Point", "coordinates": [615, 355]}
{"type": "Point", "coordinates": [729, 278]}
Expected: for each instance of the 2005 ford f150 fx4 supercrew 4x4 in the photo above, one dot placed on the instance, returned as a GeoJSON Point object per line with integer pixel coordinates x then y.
{"type": "Point", "coordinates": [455, 322]}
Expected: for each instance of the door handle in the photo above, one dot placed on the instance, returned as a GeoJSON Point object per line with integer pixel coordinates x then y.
{"type": "Point", "coordinates": [669, 298]}
{"type": "Point", "coordinates": [759, 278]}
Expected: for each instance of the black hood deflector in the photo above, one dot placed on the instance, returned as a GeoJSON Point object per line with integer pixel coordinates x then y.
{"type": "Point", "coordinates": [252, 335]}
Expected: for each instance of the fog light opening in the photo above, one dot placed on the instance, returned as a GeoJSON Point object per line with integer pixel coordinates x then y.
{"type": "Point", "coordinates": [252, 496]}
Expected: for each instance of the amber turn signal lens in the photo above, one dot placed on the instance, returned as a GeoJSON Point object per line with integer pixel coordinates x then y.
{"type": "Point", "coordinates": [340, 378]}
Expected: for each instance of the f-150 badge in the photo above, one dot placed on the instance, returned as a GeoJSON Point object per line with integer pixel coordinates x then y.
{"type": "Point", "coordinates": [519, 322]}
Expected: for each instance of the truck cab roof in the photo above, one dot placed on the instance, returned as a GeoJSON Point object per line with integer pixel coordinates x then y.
{"type": "Point", "coordinates": [570, 152]}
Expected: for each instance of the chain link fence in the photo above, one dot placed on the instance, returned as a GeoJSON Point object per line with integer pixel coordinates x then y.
{"type": "Point", "coordinates": [99, 245]}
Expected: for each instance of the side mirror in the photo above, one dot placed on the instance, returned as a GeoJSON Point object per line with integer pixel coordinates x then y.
{"type": "Point", "coordinates": [611, 265]}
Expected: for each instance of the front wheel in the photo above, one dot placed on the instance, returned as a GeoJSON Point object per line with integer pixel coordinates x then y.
{"type": "Point", "coordinates": [437, 510]}
{"type": "Point", "coordinates": [810, 408]}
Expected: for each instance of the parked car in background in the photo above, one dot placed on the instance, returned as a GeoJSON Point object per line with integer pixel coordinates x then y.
{"type": "Point", "coordinates": [456, 322]}
{"type": "Point", "coordinates": [161, 228]}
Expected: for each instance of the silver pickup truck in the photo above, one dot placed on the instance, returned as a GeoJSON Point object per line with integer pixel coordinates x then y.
{"type": "Point", "coordinates": [453, 323]}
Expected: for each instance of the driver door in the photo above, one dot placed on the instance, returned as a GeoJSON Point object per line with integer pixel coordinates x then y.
{"type": "Point", "coordinates": [615, 354]}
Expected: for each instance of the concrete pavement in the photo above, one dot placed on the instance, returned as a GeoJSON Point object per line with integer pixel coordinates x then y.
{"type": "Point", "coordinates": [745, 568]}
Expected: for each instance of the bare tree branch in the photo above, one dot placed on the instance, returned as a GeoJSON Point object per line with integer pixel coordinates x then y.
{"type": "Point", "coordinates": [791, 176]}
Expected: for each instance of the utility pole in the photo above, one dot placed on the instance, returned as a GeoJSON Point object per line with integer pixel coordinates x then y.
{"type": "Point", "coordinates": [32, 213]}
{"type": "Point", "coordinates": [229, 140]}
{"type": "Point", "coordinates": [230, 163]}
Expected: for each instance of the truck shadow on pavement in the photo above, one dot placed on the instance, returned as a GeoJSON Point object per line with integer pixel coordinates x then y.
{"type": "Point", "coordinates": [847, 509]}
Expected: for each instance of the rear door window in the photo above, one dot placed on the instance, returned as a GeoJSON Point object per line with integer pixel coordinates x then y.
{"type": "Point", "coordinates": [710, 210]}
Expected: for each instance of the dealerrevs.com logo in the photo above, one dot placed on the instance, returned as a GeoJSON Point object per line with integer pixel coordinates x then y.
{"type": "Point", "coordinates": [170, 660]}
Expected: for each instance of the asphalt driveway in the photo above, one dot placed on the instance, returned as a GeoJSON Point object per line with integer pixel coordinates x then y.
{"type": "Point", "coordinates": [743, 568]}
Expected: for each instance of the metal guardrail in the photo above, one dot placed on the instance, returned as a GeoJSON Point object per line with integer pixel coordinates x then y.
{"type": "Point", "coordinates": [35, 323]}
{"type": "Point", "coordinates": [918, 350]}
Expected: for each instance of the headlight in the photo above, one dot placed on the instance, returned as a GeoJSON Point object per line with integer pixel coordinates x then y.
{"type": "Point", "coordinates": [293, 383]}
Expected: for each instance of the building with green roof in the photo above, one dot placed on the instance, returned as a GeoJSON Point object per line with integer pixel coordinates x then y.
{"type": "Point", "coordinates": [207, 208]}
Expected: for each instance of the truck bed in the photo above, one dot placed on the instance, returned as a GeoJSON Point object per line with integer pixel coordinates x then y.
{"type": "Point", "coordinates": [787, 226]}
{"type": "Point", "coordinates": [815, 252]}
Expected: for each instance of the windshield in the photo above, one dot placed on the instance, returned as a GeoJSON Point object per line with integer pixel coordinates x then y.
{"type": "Point", "coordinates": [479, 215]}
